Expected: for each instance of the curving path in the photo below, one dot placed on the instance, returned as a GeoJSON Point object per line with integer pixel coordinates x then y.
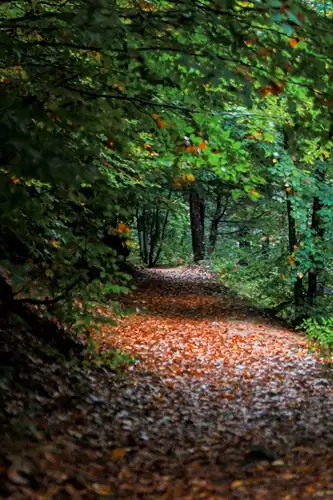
{"type": "Point", "coordinates": [220, 404]}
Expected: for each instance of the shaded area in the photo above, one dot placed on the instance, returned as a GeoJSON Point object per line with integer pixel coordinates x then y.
{"type": "Point", "coordinates": [213, 409]}
{"type": "Point", "coordinates": [196, 294]}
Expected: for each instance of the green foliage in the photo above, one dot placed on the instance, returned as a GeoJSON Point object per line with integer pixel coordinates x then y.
{"type": "Point", "coordinates": [112, 358]}
{"type": "Point", "coordinates": [321, 332]}
{"type": "Point", "coordinates": [110, 107]}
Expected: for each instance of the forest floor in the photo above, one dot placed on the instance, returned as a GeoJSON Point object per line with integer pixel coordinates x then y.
{"type": "Point", "coordinates": [220, 404]}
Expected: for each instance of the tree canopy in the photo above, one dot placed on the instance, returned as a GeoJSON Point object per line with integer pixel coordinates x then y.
{"type": "Point", "coordinates": [126, 123]}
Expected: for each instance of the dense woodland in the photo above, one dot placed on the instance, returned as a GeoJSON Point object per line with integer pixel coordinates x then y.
{"type": "Point", "coordinates": [170, 131]}
{"type": "Point", "coordinates": [172, 159]}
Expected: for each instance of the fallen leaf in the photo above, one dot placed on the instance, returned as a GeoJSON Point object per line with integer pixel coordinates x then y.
{"type": "Point", "coordinates": [118, 453]}
{"type": "Point", "coordinates": [101, 489]}
{"type": "Point", "coordinates": [237, 484]}
{"type": "Point", "coordinates": [15, 477]}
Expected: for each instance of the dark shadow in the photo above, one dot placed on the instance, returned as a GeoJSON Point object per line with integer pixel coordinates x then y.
{"type": "Point", "coordinates": [200, 298]}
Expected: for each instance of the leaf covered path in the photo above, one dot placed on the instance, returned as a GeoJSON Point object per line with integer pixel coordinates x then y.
{"type": "Point", "coordinates": [221, 404]}
{"type": "Point", "coordinates": [247, 408]}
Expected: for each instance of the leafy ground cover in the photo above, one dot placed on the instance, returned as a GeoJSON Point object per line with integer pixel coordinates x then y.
{"type": "Point", "coordinates": [220, 403]}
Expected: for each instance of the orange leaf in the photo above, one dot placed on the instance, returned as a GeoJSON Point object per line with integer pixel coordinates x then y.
{"type": "Point", "coordinates": [293, 42]}
{"type": "Point", "coordinates": [122, 228]}
{"type": "Point", "coordinates": [228, 396]}
{"type": "Point", "coordinates": [160, 123]}
{"type": "Point", "coordinates": [118, 453]}
{"type": "Point", "coordinates": [265, 91]}
{"type": "Point", "coordinates": [202, 145]}
{"type": "Point", "coordinates": [291, 259]}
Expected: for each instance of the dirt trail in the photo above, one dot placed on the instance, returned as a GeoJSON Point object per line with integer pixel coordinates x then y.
{"type": "Point", "coordinates": [221, 404]}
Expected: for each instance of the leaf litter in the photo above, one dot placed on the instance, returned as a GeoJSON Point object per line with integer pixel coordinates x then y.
{"type": "Point", "coordinates": [220, 403]}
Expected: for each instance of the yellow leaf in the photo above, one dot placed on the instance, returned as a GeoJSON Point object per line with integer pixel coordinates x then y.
{"type": "Point", "coordinates": [118, 453]}
{"type": "Point", "coordinates": [237, 484]}
{"type": "Point", "coordinates": [326, 154]}
{"type": "Point", "coordinates": [55, 243]}
{"type": "Point", "coordinates": [24, 74]}
{"type": "Point", "coordinates": [98, 56]}
{"type": "Point", "coordinates": [189, 178]}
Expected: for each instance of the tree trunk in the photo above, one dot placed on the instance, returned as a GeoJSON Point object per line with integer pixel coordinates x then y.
{"type": "Point", "coordinates": [298, 285]}
{"type": "Point", "coordinates": [318, 232]}
{"type": "Point", "coordinates": [216, 219]}
{"type": "Point", "coordinates": [197, 216]}
{"type": "Point", "coordinates": [142, 228]}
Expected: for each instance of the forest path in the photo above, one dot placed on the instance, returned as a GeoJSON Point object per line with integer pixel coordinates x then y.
{"type": "Point", "coordinates": [246, 409]}
{"type": "Point", "coordinates": [221, 405]}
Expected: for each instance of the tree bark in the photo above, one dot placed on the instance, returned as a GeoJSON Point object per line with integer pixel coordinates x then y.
{"type": "Point", "coordinates": [215, 221]}
{"type": "Point", "coordinates": [317, 229]}
{"type": "Point", "coordinates": [142, 234]}
{"type": "Point", "coordinates": [197, 216]}
{"type": "Point", "coordinates": [298, 285]}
